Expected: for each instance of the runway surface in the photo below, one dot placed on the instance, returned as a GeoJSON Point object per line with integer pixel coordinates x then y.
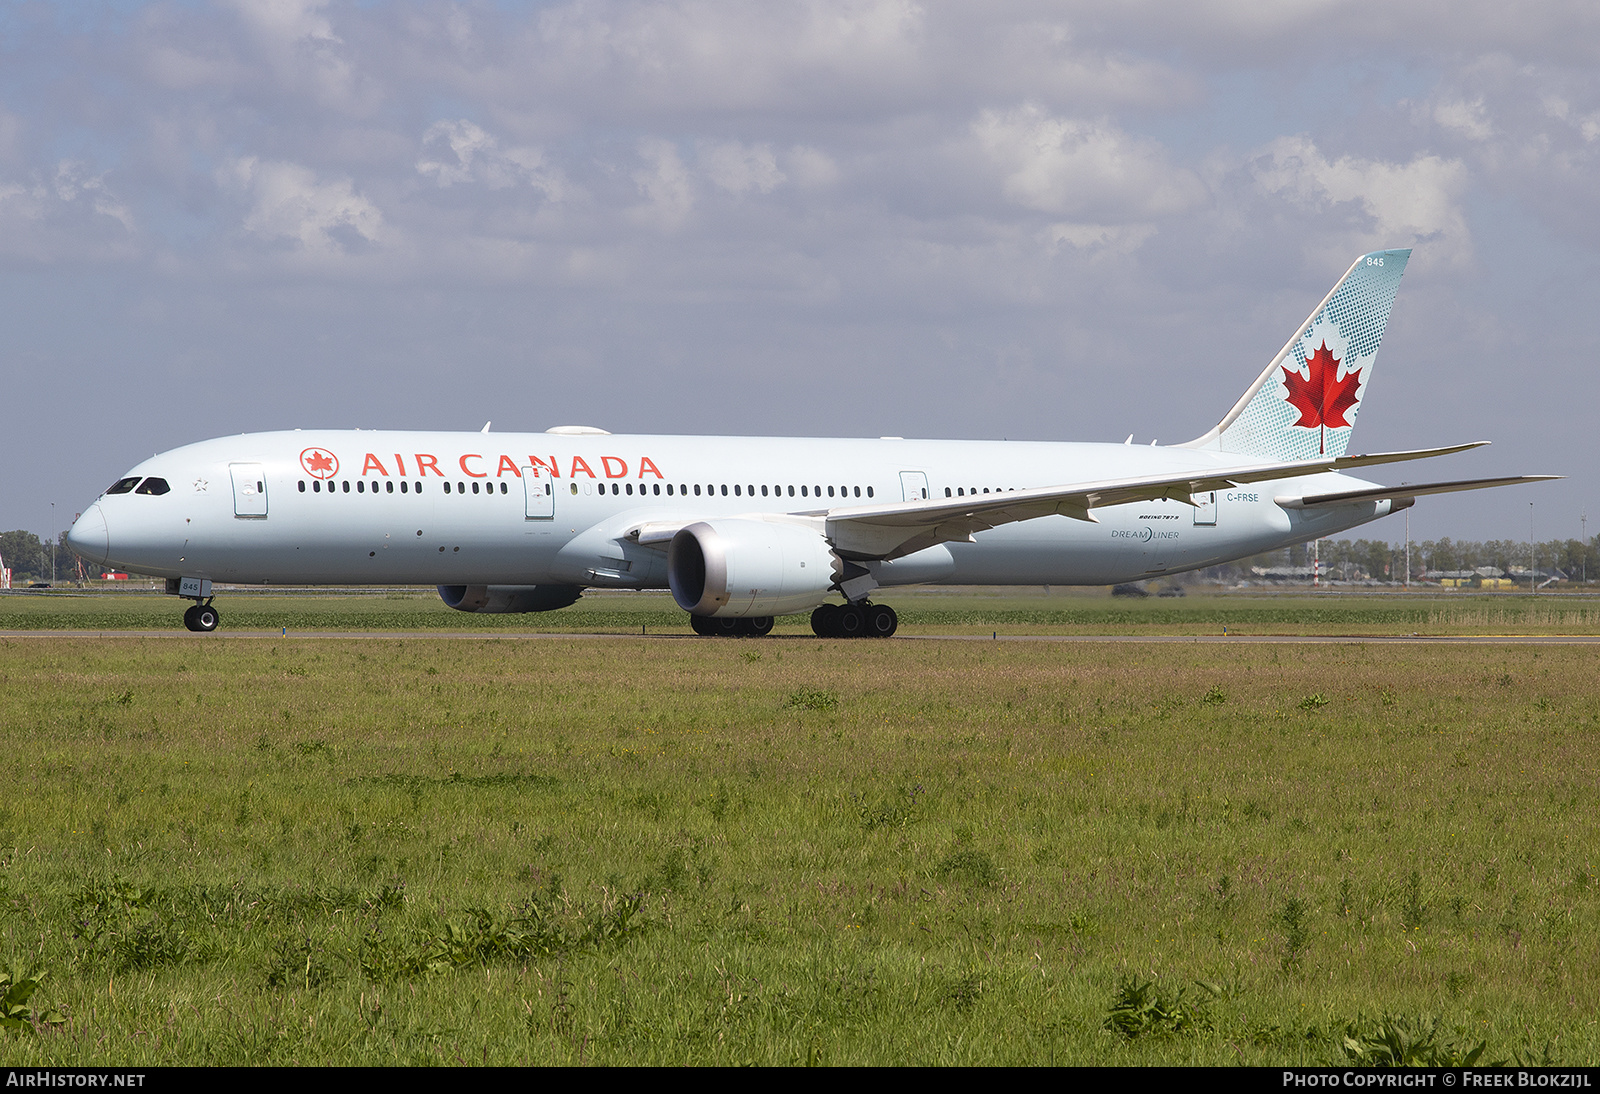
{"type": "Point", "coordinates": [1237, 639]}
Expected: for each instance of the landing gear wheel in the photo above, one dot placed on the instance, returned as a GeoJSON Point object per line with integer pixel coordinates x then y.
{"type": "Point", "coordinates": [703, 625]}
{"type": "Point", "coordinates": [882, 621]}
{"type": "Point", "coordinates": [851, 622]}
{"type": "Point", "coordinates": [823, 621]}
{"type": "Point", "coordinates": [202, 618]}
{"type": "Point", "coordinates": [759, 626]}
{"type": "Point", "coordinates": [727, 626]}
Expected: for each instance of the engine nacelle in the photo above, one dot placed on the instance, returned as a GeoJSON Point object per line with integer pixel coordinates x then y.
{"type": "Point", "coordinates": [750, 568]}
{"type": "Point", "coordinates": [506, 599]}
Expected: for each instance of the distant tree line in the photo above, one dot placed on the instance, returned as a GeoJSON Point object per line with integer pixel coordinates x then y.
{"type": "Point", "coordinates": [1378, 560]}
{"type": "Point", "coordinates": [29, 558]}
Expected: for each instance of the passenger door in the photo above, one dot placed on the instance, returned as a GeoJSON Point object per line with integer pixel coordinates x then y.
{"type": "Point", "coordinates": [914, 486]}
{"type": "Point", "coordinates": [541, 494]}
{"type": "Point", "coordinates": [249, 490]}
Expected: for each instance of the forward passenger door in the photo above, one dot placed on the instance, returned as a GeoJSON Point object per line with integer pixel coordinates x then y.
{"type": "Point", "coordinates": [541, 494]}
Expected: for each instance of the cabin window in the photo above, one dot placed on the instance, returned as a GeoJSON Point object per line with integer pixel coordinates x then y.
{"type": "Point", "coordinates": [735, 489]}
{"type": "Point", "coordinates": [474, 488]}
{"type": "Point", "coordinates": [858, 491]}
{"type": "Point", "coordinates": [869, 491]}
{"type": "Point", "coordinates": [803, 493]}
{"type": "Point", "coordinates": [346, 486]}
{"type": "Point", "coordinates": [302, 486]}
{"type": "Point", "coordinates": [657, 489]}
{"type": "Point", "coordinates": [503, 487]}
{"type": "Point", "coordinates": [697, 490]}
{"type": "Point", "coordinates": [574, 488]}
{"type": "Point", "coordinates": [316, 486]}
{"type": "Point", "coordinates": [388, 487]}
{"type": "Point", "coordinates": [446, 488]}
{"type": "Point", "coordinates": [403, 486]}
{"type": "Point", "coordinates": [791, 491]}
{"type": "Point", "coordinates": [763, 491]}
{"type": "Point", "coordinates": [724, 489]}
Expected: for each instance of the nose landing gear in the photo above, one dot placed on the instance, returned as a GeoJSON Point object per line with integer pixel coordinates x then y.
{"type": "Point", "coordinates": [201, 617]}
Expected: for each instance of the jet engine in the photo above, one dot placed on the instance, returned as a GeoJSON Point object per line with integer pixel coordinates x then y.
{"type": "Point", "coordinates": [750, 568]}
{"type": "Point", "coordinates": [505, 599]}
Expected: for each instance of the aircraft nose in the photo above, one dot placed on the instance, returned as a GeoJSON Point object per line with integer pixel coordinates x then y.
{"type": "Point", "coordinates": [89, 536]}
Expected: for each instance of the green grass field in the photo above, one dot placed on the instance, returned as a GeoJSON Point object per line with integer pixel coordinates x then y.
{"type": "Point", "coordinates": [398, 849]}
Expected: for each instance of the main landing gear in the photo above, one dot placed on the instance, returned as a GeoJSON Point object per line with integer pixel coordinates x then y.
{"type": "Point", "coordinates": [855, 620]}
{"type": "Point", "coordinates": [712, 626]}
{"type": "Point", "coordinates": [201, 617]}
{"type": "Point", "coordinates": [858, 620]}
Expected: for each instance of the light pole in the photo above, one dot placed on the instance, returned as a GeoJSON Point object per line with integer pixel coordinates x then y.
{"type": "Point", "coordinates": [1533, 574]}
{"type": "Point", "coordinates": [52, 543]}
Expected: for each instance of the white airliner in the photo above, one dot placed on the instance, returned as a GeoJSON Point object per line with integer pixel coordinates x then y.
{"type": "Point", "coordinates": [743, 529]}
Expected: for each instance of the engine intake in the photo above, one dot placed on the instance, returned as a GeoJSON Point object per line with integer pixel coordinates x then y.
{"type": "Point", "coordinates": [508, 599]}
{"type": "Point", "coordinates": [750, 568]}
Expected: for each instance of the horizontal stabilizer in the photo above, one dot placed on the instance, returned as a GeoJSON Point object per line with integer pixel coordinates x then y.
{"type": "Point", "coordinates": [1344, 463]}
{"type": "Point", "coordinates": [1395, 493]}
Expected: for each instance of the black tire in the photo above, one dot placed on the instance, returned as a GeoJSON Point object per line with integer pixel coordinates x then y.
{"type": "Point", "coordinates": [823, 621]}
{"type": "Point", "coordinates": [703, 625]}
{"type": "Point", "coordinates": [189, 617]}
{"type": "Point", "coordinates": [760, 626]}
{"type": "Point", "coordinates": [882, 621]}
{"type": "Point", "coordinates": [205, 618]}
{"type": "Point", "coordinates": [727, 626]}
{"type": "Point", "coordinates": [851, 622]}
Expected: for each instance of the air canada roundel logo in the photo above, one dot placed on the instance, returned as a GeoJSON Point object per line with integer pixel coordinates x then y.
{"type": "Point", "coordinates": [319, 463]}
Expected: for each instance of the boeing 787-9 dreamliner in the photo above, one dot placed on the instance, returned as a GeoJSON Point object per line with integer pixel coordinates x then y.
{"type": "Point", "coordinates": [743, 529]}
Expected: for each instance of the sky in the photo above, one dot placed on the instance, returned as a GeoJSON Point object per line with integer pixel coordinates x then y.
{"type": "Point", "coordinates": [1023, 220]}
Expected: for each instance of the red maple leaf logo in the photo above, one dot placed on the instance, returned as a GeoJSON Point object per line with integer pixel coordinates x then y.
{"type": "Point", "coordinates": [319, 464]}
{"type": "Point", "coordinates": [1322, 398]}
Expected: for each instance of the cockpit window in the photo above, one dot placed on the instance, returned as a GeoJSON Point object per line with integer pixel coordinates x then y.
{"type": "Point", "coordinates": [153, 486]}
{"type": "Point", "coordinates": [122, 486]}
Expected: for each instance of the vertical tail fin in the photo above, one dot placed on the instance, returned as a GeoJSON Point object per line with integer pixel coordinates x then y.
{"type": "Point", "coordinates": [1304, 405]}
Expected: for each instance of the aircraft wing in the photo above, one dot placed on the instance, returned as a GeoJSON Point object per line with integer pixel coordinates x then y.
{"type": "Point", "coordinates": [894, 529]}
{"type": "Point", "coordinates": [1405, 492]}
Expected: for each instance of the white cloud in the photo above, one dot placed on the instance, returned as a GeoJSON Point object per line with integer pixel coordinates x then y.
{"type": "Point", "coordinates": [1084, 169]}
{"type": "Point", "coordinates": [289, 202]}
{"type": "Point", "coordinates": [1398, 203]}
{"type": "Point", "coordinates": [298, 42]}
{"type": "Point", "coordinates": [461, 152]}
{"type": "Point", "coordinates": [1469, 119]}
{"type": "Point", "coordinates": [811, 167]}
{"type": "Point", "coordinates": [664, 182]}
{"type": "Point", "coordinates": [1102, 238]}
{"type": "Point", "coordinates": [74, 183]}
{"type": "Point", "coordinates": [739, 168]}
